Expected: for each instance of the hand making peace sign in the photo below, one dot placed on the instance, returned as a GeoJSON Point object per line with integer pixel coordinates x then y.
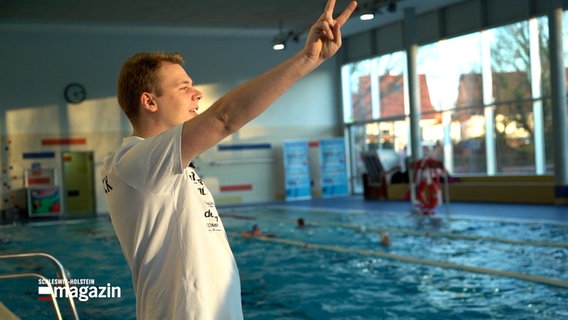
{"type": "Point", "coordinates": [324, 38]}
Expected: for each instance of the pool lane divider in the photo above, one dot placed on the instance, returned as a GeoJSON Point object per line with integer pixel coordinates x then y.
{"type": "Point", "coordinates": [237, 216]}
{"type": "Point", "coordinates": [509, 274]}
{"type": "Point", "coordinates": [414, 232]}
{"type": "Point", "coordinates": [470, 237]}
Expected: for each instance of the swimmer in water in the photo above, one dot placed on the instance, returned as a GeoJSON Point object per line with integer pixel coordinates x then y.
{"type": "Point", "coordinates": [385, 240]}
{"type": "Point", "coordinates": [257, 233]}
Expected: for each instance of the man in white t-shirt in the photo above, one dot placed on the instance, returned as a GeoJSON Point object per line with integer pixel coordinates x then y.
{"type": "Point", "coordinates": [164, 216]}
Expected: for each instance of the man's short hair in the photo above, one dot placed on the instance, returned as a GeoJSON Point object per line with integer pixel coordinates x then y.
{"type": "Point", "coordinates": [139, 74]}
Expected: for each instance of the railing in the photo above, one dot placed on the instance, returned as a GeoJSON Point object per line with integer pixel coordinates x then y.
{"type": "Point", "coordinates": [60, 270]}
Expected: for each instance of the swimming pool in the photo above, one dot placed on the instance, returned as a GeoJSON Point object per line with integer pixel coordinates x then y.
{"type": "Point", "coordinates": [334, 268]}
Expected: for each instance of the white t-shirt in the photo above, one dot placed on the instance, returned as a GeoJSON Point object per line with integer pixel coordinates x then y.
{"type": "Point", "coordinates": [170, 231]}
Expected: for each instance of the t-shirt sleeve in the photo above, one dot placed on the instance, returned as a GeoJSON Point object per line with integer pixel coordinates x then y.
{"type": "Point", "coordinates": [147, 163]}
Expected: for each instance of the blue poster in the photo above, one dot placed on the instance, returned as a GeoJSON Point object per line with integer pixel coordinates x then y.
{"type": "Point", "coordinates": [297, 170]}
{"type": "Point", "coordinates": [333, 168]}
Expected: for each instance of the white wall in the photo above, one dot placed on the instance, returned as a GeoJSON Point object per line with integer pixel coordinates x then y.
{"type": "Point", "coordinates": [38, 61]}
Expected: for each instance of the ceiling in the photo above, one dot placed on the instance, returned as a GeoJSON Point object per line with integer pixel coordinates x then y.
{"type": "Point", "coordinates": [248, 15]}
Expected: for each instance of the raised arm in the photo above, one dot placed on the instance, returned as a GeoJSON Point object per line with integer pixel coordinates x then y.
{"type": "Point", "coordinates": [247, 101]}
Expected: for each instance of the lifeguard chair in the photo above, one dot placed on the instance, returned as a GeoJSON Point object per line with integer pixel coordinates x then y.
{"type": "Point", "coordinates": [374, 180]}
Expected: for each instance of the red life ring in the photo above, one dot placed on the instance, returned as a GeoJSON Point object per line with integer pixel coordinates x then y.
{"type": "Point", "coordinates": [428, 194]}
{"type": "Point", "coordinates": [427, 176]}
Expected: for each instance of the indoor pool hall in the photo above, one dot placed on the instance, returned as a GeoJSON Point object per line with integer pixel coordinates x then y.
{"type": "Point", "coordinates": [284, 160]}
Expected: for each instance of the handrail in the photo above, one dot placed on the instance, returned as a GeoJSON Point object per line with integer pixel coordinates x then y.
{"type": "Point", "coordinates": [46, 281]}
{"type": "Point", "coordinates": [59, 268]}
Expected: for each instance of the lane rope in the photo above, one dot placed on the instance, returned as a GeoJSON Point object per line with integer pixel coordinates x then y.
{"type": "Point", "coordinates": [430, 234]}
{"type": "Point", "coordinates": [455, 216]}
{"type": "Point", "coordinates": [509, 274]}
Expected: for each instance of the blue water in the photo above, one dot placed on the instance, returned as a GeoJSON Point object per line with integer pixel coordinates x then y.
{"type": "Point", "coordinates": [88, 249]}
{"type": "Point", "coordinates": [346, 278]}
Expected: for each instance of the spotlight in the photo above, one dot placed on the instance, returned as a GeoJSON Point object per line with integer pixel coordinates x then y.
{"type": "Point", "coordinates": [370, 10]}
{"type": "Point", "coordinates": [367, 12]}
{"type": "Point", "coordinates": [277, 46]}
{"type": "Point", "coordinates": [283, 38]}
{"type": "Point", "coordinates": [279, 41]}
{"type": "Point", "coordinates": [367, 16]}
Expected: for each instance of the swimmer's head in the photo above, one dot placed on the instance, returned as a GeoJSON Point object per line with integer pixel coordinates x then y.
{"type": "Point", "coordinates": [385, 240]}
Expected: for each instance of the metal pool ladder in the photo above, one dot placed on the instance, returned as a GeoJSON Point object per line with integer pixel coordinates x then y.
{"type": "Point", "coordinates": [60, 270]}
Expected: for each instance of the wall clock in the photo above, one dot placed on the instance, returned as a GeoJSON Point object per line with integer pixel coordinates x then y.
{"type": "Point", "coordinates": [75, 93]}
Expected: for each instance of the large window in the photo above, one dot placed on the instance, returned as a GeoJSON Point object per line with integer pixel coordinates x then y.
{"type": "Point", "coordinates": [484, 98]}
{"type": "Point", "coordinates": [450, 72]}
{"type": "Point", "coordinates": [357, 94]}
{"type": "Point", "coordinates": [391, 70]}
{"type": "Point", "coordinates": [375, 111]}
{"type": "Point", "coordinates": [517, 91]}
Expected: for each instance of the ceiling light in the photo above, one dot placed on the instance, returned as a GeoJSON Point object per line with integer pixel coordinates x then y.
{"type": "Point", "coordinates": [277, 46]}
{"type": "Point", "coordinates": [369, 10]}
{"type": "Point", "coordinates": [283, 38]}
{"type": "Point", "coordinates": [279, 40]}
{"type": "Point", "coordinates": [367, 16]}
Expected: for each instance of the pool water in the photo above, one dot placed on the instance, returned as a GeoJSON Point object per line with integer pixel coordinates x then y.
{"type": "Point", "coordinates": [88, 249]}
{"type": "Point", "coordinates": [347, 280]}
{"type": "Point", "coordinates": [334, 268]}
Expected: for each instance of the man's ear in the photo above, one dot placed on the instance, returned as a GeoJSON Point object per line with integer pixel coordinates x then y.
{"type": "Point", "coordinates": [148, 102]}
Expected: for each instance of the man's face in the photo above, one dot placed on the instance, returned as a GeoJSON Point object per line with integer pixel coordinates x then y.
{"type": "Point", "coordinates": [179, 100]}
